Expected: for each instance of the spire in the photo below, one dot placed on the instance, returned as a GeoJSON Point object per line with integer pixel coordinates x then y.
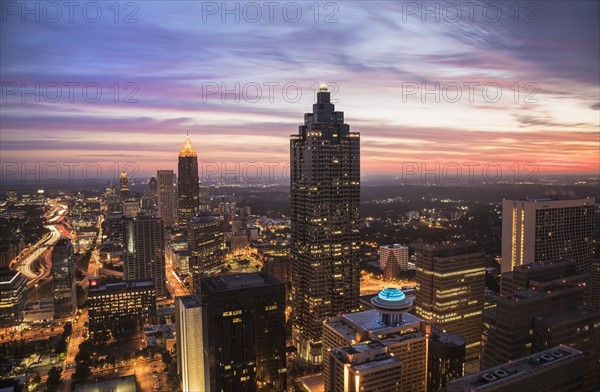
{"type": "Point", "coordinates": [187, 150]}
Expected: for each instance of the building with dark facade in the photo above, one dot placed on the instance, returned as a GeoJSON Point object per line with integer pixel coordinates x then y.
{"type": "Point", "coordinates": [206, 243]}
{"type": "Point", "coordinates": [557, 369]}
{"type": "Point", "coordinates": [325, 223]}
{"type": "Point", "coordinates": [120, 309]}
{"type": "Point", "coordinates": [188, 183]}
{"type": "Point", "coordinates": [144, 251]}
{"type": "Point", "coordinates": [13, 297]}
{"type": "Point", "coordinates": [243, 322]}
{"type": "Point", "coordinates": [446, 359]}
{"type": "Point", "coordinates": [165, 196]}
{"type": "Point", "coordinates": [451, 289]}
{"type": "Point", "coordinates": [63, 279]}
{"type": "Point", "coordinates": [541, 229]}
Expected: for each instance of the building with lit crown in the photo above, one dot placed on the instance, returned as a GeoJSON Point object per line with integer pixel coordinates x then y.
{"type": "Point", "coordinates": [325, 223]}
{"type": "Point", "coordinates": [404, 335]}
{"type": "Point", "coordinates": [188, 183]}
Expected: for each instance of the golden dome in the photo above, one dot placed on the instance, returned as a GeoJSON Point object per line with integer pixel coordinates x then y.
{"type": "Point", "coordinates": [187, 150]}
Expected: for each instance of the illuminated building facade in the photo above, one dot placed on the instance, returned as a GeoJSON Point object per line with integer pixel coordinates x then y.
{"type": "Point", "coordinates": [13, 295]}
{"type": "Point", "coordinates": [451, 289]}
{"type": "Point", "coordinates": [188, 183]}
{"type": "Point", "coordinates": [363, 367]}
{"type": "Point", "coordinates": [393, 259]}
{"type": "Point", "coordinates": [190, 346]}
{"type": "Point", "coordinates": [243, 321]}
{"type": "Point", "coordinates": [124, 185]}
{"type": "Point", "coordinates": [63, 279]}
{"type": "Point", "coordinates": [206, 243]}
{"type": "Point", "coordinates": [165, 197]}
{"type": "Point", "coordinates": [535, 230]}
{"type": "Point", "coordinates": [325, 223]}
{"type": "Point", "coordinates": [144, 251]}
{"type": "Point", "coordinates": [118, 309]}
{"type": "Point", "coordinates": [405, 336]}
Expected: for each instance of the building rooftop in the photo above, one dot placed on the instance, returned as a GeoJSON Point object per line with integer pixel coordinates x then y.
{"type": "Point", "coordinates": [370, 320]}
{"type": "Point", "coordinates": [96, 287]}
{"type": "Point", "coordinates": [189, 301]}
{"type": "Point", "coordinates": [447, 339]}
{"type": "Point", "coordinates": [569, 316]}
{"type": "Point", "coordinates": [493, 377]}
{"type": "Point", "coordinates": [121, 384]}
{"type": "Point", "coordinates": [8, 277]}
{"type": "Point", "coordinates": [238, 281]}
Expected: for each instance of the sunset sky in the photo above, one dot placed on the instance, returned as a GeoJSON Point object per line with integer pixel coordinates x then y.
{"type": "Point", "coordinates": [373, 53]}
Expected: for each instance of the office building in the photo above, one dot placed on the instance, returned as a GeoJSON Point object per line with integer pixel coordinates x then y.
{"type": "Point", "coordinates": [557, 369]}
{"type": "Point", "coordinates": [165, 197]}
{"type": "Point", "coordinates": [123, 186]}
{"type": "Point", "coordinates": [120, 309]}
{"type": "Point", "coordinates": [542, 229]}
{"type": "Point", "coordinates": [13, 297]}
{"type": "Point", "coordinates": [404, 335]}
{"type": "Point", "coordinates": [595, 285]}
{"type": "Point", "coordinates": [144, 251]}
{"type": "Point", "coordinates": [451, 289]}
{"type": "Point", "coordinates": [188, 183]}
{"type": "Point", "coordinates": [206, 244]}
{"type": "Point", "coordinates": [525, 276]}
{"type": "Point", "coordinates": [363, 367]}
{"type": "Point", "coordinates": [243, 321]}
{"type": "Point", "coordinates": [325, 223]}
{"type": "Point", "coordinates": [393, 259]}
{"type": "Point", "coordinates": [506, 332]}
{"type": "Point", "coordinates": [190, 345]}
{"type": "Point", "coordinates": [446, 359]}
{"type": "Point", "coordinates": [63, 279]}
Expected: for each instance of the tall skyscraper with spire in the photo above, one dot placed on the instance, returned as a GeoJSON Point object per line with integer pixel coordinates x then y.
{"type": "Point", "coordinates": [187, 183]}
{"type": "Point", "coordinates": [325, 223]}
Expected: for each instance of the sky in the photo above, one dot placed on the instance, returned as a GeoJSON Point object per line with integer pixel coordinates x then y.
{"type": "Point", "coordinates": [429, 85]}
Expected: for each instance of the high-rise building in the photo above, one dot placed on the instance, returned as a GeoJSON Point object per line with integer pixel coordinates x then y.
{"type": "Point", "coordinates": [595, 285]}
{"type": "Point", "coordinates": [190, 344]}
{"type": "Point", "coordinates": [446, 359]}
{"type": "Point", "coordinates": [120, 309]}
{"type": "Point", "coordinates": [325, 223]}
{"type": "Point", "coordinates": [451, 289]}
{"type": "Point", "coordinates": [363, 367]}
{"type": "Point", "coordinates": [165, 197]}
{"type": "Point", "coordinates": [188, 184]}
{"type": "Point", "coordinates": [205, 246]}
{"type": "Point", "coordinates": [63, 279]}
{"type": "Point", "coordinates": [404, 335]}
{"type": "Point", "coordinates": [393, 259]}
{"type": "Point", "coordinates": [144, 251]}
{"type": "Point", "coordinates": [542, 229]}
{"type": "Point", "coordinates": [524, 276]}
{"type": "Point", "coordinates": [153, 186]}
{"type": "Point", "coordinates": [557, 369]}
{"type": "Point", "coordinates": [243, 321]}
{"type": "Point", "coordinates": [124, 185]}
{"type": "Point", "coordinates": [13, 295]}
{"type": "Point", "coordinates": [507, 327]}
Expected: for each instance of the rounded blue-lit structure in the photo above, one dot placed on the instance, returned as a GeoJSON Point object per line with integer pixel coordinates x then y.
{"type": "Point", "coordinates": [391, 304]}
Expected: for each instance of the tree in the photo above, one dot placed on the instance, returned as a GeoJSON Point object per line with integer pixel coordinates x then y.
{"type": "Point", "coordinates": [54, 379]}
{"type": "Point", "coordinates": [82, 371]}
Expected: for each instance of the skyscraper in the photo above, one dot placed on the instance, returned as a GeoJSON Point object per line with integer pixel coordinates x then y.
{"type": "Point", "coordinates": [450, 289]}
{"type": "Point", "coordinates": [124, 185]}
{"type": "Point", "coordinates": [166, 196]}
{"type": "Point", "coordinates": [144, 251]}
{"type": "Point", "coordinates": [325, 223]}
{"type": "Point", "coordinates": [190, 345]}
{"type": "Point", "coordinates": [446, 359]}
{"type": "Point", "coordinates": [205, 245]}
{"type": "Point", "coordinates": [13, 295]}
{"type": "Point", "coordinates": [63, 279]}
{"type": "Point", "coordinates": [544, 229]}
{"type": "Point", "coordinates": [243, 321]}
{"type": "Point", "coordinates": [188, 184]}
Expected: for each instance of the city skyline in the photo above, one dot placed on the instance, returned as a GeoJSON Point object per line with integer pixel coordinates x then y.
{"type": "Point", "coordinates": [374, 79]}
